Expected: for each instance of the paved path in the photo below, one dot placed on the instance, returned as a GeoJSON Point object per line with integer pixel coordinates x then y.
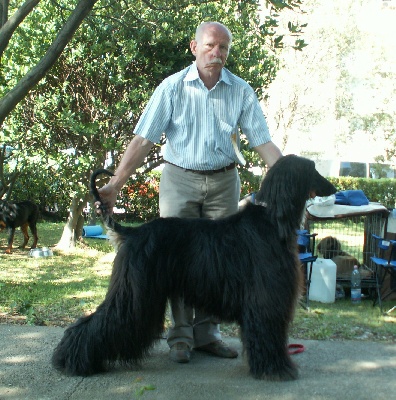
{"type": "Point", "coordinates": [329, 370]}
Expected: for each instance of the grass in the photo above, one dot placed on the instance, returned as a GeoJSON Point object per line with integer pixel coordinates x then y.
{"type": "Point", "coordinates": [54, 291]}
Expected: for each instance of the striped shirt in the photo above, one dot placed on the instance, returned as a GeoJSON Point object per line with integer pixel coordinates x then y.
{"type": "Point", "coordinates": [198, 123]}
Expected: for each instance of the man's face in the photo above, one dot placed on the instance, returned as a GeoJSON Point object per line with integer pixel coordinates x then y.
{"type": "Point", "coordinates": [211, 50]}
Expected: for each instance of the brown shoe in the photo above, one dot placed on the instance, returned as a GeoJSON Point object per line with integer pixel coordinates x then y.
{"type": "Point", "coordinates": [180, 352]}
{"type": "Point", "coordinates": [219, 349]}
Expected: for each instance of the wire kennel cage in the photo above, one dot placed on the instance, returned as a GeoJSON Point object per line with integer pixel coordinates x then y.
{"type": "Point", "coordinates": [347, 240]}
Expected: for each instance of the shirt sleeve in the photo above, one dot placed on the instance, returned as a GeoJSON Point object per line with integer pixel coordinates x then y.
{"type": "Point", "coordinates": [157, 114]}
{"type": "Point", "coordinates": [252, 121]}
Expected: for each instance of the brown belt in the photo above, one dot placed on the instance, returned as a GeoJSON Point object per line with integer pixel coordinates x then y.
{"type": "Point", "coordinates": [207, 171]}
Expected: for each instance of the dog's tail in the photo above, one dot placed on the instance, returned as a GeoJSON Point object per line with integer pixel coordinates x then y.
{"type": "Point", "coordinates": [115, 230]}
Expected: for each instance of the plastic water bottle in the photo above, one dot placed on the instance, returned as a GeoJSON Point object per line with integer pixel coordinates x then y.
{"type": "Point", "coordinates": [356, 289]}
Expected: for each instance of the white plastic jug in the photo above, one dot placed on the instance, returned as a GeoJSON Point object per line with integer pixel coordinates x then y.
{"type": "Point", "coordinates": [323, 280]}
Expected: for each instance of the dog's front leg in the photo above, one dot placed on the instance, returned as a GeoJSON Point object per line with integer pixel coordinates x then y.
{"type": "Point", "coordinates": [265, 343]}
{"type": "Point", "coordinates": [10, 240]}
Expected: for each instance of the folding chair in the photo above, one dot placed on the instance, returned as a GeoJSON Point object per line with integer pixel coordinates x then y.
{"type": "Point", "coordinates": [306, 246]}
{"type": "Point", "coordinates": [384, 266]}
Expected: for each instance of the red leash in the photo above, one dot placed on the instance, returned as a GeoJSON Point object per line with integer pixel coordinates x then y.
{"type": "Point", "coordinates": [295, 348]}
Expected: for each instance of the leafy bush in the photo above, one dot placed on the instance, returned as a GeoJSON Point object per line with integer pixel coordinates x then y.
{"type": "Point", "coordinates": [140, 197]}
{"type": "Point", "coordinates": [249, 182]}
{"type": "Point", "coordinates": [46, 187]}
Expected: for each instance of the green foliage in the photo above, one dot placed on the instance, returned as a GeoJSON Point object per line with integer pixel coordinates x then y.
{"type": "Point", "coordinates": [249, 182]}
{"type": "Point", "coordinates": [45, 186]}
{"type": "Point", "coordinates": [140, 388]}
{"type": "Point", "coordinates": [376, 190]}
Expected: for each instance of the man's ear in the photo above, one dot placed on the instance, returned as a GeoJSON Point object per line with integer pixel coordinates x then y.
{"type": "Point", "coordinates": [193, 47]}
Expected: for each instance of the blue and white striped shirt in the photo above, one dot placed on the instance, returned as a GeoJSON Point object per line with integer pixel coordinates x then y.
{"type": "Point", "coordinates": [198, 123]}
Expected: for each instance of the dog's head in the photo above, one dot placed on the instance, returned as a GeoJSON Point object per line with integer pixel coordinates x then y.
{"type": "Point", "coordinates": [294, 176]}
{"type": "Point", "coordinates": [329, 247]}
{"type": "Point", "coordinates": [320, 186]}
{"type": "Point", "coordinates": [7, 211]}
{"type": "Point", "coordinates": [287, 186]}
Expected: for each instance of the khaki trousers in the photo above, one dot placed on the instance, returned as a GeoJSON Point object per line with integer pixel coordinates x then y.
{"type": "Point", "coordinates": [190, 195]}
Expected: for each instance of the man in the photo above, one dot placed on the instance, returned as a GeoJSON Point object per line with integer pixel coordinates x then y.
{"type": "Point", "coordinates": [199, 109]}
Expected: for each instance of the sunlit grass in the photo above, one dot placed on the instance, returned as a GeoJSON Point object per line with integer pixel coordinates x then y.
{"type": "Point", "coordinates": [343, 320]}
{"type": "Point", "coordinates": [53, 290]}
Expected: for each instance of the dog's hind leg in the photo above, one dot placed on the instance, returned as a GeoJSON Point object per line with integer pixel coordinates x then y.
{"type": "Point", "coordinates": [265, 343]}
{"type": "Point", "coordinates": [123, 328]}
{"type": "Point", "coordinates": [110, 334]}
{"type": "Point", "coordinates": [24, 229]}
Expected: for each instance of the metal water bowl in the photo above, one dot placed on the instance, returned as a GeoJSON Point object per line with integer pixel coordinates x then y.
{"type": "Point", "coordinates": [43, 252]}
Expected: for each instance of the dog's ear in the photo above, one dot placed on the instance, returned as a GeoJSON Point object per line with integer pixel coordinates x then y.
{"type": "Point", "coordinates": [285, 190]}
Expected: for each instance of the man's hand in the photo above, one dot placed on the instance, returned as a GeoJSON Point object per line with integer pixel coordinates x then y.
{"type": "Point", "coordinates": [108, 195]}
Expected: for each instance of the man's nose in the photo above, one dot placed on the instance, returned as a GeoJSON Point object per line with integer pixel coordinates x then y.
{"type": "Point", "coordinates": [216, 51]}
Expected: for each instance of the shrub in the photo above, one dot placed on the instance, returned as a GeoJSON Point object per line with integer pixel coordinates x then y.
{"type": "Point", "coordinates": [140, 196]}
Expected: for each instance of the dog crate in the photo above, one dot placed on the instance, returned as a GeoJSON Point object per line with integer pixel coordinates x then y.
{"type": "Point", "coordinates": [346, 238]}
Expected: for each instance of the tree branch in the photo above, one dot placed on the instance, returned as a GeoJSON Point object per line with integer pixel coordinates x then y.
{"type": "Point", "coordinates": [8, 26]}
{"type": "Point", "coordinates": [18, 93]}
{"type": "Point", "coordinates": [4, 5]}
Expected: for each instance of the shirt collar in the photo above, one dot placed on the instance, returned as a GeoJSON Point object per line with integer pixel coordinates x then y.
{"type": "Point", "coordinates": [193, 74]}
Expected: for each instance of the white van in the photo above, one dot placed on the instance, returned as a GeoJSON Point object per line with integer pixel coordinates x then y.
{"type": "Point", "coordinates": [337, 168]}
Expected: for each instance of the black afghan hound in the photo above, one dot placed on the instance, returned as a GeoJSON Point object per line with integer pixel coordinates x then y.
{"type": "Point", "coordinates": [243, 268]}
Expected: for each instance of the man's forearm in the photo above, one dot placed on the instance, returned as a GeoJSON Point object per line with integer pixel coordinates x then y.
{"type": "Point", "coordinates": [269, 152]}
{"type": "Point", "coordinates": [132, 159]}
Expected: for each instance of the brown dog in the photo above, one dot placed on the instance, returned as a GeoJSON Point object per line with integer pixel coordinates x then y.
{"type": "Point", "coordinates": [24, 214]}
{"type": "Point", "coordinates": [330, 248]}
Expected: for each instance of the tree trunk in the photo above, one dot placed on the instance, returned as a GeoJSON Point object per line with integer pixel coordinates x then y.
{"type": "Point", "coordinates": [73, 228]}
{"type": "Point", "coordinates": [22, 88]}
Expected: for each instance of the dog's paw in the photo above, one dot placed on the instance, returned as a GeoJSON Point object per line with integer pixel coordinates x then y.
{"type": "Point", "coordinates": [289, 374]}
{"type": "Point", "coordinates": [286, 373]}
